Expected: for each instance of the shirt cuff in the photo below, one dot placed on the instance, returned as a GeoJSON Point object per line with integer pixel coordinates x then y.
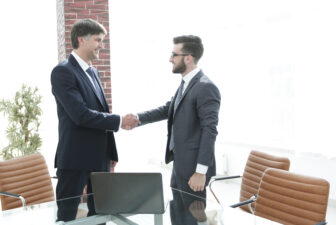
{"type": "Point", "coordinates": [202, 223]}
{"type": "Point", "coordinates": [120, 122]}
{"type": "Point", "coordinates": [137, 116]}
{"type": "Point", "coordinates": [202, 169]}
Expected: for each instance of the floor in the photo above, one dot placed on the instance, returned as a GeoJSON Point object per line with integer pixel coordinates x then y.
{"type": "Point", "coordinates": [228, 193]}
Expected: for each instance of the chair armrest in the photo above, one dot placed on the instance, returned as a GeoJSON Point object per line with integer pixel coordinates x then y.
{"type": "Point", "coordinates": [242, 203]}
{"type": "Point", "coordinates": [220, 178]}
{"type": "Point", "coordinates": [14, 196]}
{"type": "Point", "coordinates": [225, 177]}
{"type": "Point", "coordinates": [248, 202]}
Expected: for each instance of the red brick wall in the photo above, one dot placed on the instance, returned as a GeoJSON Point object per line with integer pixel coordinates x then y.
{"type": "Point", "coordinates": [97, 10]}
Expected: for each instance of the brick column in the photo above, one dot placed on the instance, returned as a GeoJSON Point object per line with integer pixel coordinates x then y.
{"type": "Point", "coordinates": [68, 12]}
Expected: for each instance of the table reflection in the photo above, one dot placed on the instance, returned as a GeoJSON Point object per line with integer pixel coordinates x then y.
{"type": "Point", "coordinates": [188, 209]}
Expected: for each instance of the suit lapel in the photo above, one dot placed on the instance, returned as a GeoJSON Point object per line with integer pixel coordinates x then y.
{"type": "Point", "coordinates": [172, 103]}
{"type": "Point", "coordinates": [84, 77]}
{"type": "Point", "coordinates": [190, 85]}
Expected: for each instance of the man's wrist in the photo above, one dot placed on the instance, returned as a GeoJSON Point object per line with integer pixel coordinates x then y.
{"type": "Point", "coordinates": [201, 169]}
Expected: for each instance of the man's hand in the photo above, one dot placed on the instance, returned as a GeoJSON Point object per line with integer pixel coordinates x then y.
{"type": "Point", "coordinates": [197, 182]}
{"type": "Point", "coordinates": [129, 121]}
{"type": "Point", "coordinates": [112, 165]}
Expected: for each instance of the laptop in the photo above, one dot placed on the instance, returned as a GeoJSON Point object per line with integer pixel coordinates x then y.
{"type": "Point", "coordinates": [123, 193]}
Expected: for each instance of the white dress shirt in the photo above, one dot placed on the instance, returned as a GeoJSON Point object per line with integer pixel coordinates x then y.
{"type": "Point", "coordinates": [83, 65]}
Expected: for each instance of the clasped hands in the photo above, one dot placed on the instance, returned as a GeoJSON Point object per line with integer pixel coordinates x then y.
{"type": "Point", "coordinates": [129, 121]}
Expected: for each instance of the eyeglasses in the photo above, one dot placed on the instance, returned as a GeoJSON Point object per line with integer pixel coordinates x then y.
{"type": "Point", "coordinates": [175, 54]}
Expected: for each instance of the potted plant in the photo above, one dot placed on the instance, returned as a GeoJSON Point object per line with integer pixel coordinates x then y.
{"type": "Point", "coordinates": [23, 114]}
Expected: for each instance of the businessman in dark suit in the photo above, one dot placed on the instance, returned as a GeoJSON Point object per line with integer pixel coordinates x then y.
{"type": "Point", "coordinates": [86, 142]}
{"type": "Point", "coordinates": [192, 119]}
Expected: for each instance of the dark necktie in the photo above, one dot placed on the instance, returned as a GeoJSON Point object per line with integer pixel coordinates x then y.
{"type": "Point", "coordinates": [177, 101]}
{"type": "Point", "coordinates": [179, 95]}
{"type": "Point", "coordinates": [96, 85]}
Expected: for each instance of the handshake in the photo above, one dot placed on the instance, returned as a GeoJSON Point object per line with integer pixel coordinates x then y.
{"type": "Point", "coordinates": [129, 121]}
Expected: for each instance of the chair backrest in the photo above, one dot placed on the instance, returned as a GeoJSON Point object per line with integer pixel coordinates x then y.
{"type": "Point", "coordinates": [256, 164]}
{"type": "Point", "coordinates": [27, 176]}
{"type": "Point", "coordinates": [292, 199]}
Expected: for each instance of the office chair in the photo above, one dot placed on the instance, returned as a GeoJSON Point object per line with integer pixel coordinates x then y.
{"type": "Point", "coordinates": [291, 199]}
{"type": "Point", "coordinates": [256, 164]}
{"type": "Point", "coordinates": [25, 181]}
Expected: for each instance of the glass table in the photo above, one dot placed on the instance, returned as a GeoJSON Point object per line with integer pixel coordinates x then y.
{"type": "Point", "coordinates": [181, 208]}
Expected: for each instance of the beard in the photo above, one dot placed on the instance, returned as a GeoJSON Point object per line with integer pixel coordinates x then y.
{"type": "Point", "coordinates": [179, 68]}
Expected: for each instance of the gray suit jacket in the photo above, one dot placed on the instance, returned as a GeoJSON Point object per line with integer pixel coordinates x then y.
{"type": "Point", "coordinates": [194, 123]}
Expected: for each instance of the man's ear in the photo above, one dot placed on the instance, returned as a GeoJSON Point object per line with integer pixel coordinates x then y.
{"type": "Point", "coordinates": [188, 59]}
{"type": "Point", "coordinates": [80, 41]}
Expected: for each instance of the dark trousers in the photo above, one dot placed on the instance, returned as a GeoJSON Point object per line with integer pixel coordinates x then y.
{"type": "Point", "coordinates": [69, 188]}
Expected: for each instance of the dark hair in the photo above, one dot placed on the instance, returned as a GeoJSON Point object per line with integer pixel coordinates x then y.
{"type": "Point", "coordinates": [191, 44]}
{"type": "Point", "coordinates": [83, 28]}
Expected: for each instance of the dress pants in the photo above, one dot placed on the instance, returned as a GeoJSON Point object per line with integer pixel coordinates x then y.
{"type": "Point", "coordinates": [69, 188]}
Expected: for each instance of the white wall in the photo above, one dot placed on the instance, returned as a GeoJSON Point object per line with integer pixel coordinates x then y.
{"type": "Point", "coordinates": [273, 61]}
{"type": "Point", "coordinates": [29, 52]}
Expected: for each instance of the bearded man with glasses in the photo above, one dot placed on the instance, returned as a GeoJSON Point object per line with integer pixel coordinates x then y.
{"type": "Point", "coordinates": [192, 115]}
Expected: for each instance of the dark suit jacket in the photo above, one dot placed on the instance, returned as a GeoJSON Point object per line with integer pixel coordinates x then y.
{"type": "Point", "coordinates": [195, 126]}
{"type": "Point", "coordinates": [86, 141]}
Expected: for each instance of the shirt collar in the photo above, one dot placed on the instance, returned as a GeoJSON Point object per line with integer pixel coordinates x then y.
{"type": "Point", "coordinates": [187, 78]}
{"type": "Point", "coordinates": [80, 61]}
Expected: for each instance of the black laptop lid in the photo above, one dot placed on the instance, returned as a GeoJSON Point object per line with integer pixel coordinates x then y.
{"type": "Point", "coordinates": [128, 193]}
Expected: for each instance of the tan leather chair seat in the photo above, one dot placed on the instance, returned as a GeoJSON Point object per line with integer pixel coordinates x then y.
{"type": "Point", "coordinates": [27, 176]}
{"type": "Point", "coordinates": [292, 199]}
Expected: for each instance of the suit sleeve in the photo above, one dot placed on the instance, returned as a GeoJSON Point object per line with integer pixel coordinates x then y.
{"type": "Point", "coordinates": [154, 115]}
{"type": "Point", "coordinates": [208, 103]}
{"type": "Point", "coordinates": [67, 93]}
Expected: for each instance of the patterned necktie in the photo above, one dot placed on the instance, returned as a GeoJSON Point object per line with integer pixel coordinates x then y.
{"type": "Point", "coordinates": [177, 101]}
{"type": "Point", "coordinates": [96, 85]}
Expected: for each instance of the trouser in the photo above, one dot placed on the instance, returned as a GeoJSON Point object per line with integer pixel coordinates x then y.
{"type": "Point", "coordinates": [69, 188]}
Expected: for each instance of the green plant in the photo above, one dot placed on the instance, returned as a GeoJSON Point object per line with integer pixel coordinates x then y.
{"type": "Point", "coordinates": [23, 114]}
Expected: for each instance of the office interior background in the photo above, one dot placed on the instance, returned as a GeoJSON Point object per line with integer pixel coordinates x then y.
{"type": "Point", "coordinates": [273, 61]}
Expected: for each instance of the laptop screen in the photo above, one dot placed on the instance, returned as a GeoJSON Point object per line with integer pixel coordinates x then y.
{"type": "Point", "coordinates": [136, 193]}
